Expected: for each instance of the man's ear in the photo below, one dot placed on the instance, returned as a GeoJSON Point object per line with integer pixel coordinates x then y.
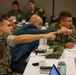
{"type": "Point", "coordinates": [62, 22]}
{"type": "Point", "coordinates": [33, 22]}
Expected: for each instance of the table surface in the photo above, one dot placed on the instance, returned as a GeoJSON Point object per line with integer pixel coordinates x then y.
{"type": "Point", "coordinates": [35, 70]}
{"type": "Point", "coordinates": [68, 55]}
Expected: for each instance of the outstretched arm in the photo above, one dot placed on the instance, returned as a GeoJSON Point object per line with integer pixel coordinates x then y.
{"type": "Point", "coordinates": [12, 40]}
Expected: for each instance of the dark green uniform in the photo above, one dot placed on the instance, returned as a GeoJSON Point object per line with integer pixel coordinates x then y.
{"type": "Point", "coordinates": [61, 40]}
{"type": "Point", "coordinates": [4, 54]}
{"type": "Point", "coordinates": [16, 28]}
{"type": "Point", "coordinates": [19, 15]}
{"type": "Point", "coordinates": [36, 11]}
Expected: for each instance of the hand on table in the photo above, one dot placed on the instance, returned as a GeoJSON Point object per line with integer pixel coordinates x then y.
{"type": "Point", "coordinates": [69, 45]}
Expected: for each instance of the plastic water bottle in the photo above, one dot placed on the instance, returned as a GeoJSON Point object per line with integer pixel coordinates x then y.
{"type": "Point", "coordinates": [62, 67]}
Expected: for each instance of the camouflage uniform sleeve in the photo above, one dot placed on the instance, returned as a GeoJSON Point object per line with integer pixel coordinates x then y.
{"type": "Point", "coordinates": [10, 40]}
{"type": "Point", "coordinates": [16, 28]}
{"type": "Point", "coordinates": [58, 41]}
{"type": "Point", "coordinates": [51, 43]}
{"type": "Point", "coordinates": [57, 52]}
{"type": "Point", "coordinates": [54, 44]}
{"type": "Point", "coordinates": [52, 26]}
{"type": "Point", "coordinates": [73, 36]}
{"type": "Point", "coordinates": [73, 27]}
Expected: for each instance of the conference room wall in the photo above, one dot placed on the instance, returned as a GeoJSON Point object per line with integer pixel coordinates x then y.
{"type": "Point", "coordinates": [60, 5]}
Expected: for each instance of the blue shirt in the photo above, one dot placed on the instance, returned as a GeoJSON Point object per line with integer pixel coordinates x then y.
{"type": "Point", "coordinates": [20, 52]}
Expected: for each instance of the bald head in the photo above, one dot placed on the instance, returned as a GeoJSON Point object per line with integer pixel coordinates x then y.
{"type": "Point", "coordinates": [37, 21]}
{"type": "Point", "coordinates": [35, 18]}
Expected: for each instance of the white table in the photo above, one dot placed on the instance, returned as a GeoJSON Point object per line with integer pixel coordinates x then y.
{"type": "Point", "coordinates": [70, 53]}
{"type": "Point", "coordinates": [67, 53]}
{"type": "Point", "coordinates": [69, 56]}
{"type": "Point", "coordinates": [32, 70]}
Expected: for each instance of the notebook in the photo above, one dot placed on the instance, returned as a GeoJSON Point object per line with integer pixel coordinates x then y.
{"type": "Point", "coordinates": [54, 71]}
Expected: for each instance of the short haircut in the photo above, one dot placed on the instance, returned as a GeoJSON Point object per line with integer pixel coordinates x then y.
{"type": "Point", "coordinates": [15, 3]}
{"type": "Point", "coordinates": [63, 15]}
{"type": "Point", "coordinates": [5, 16]}
{"type": "Point", "coordinates": [31, 1]}
{"type": "Point", "coordinates": [1, 22]}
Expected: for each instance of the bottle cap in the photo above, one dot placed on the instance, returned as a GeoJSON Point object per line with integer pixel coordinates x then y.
{"type": "Point", "coordinates": [61, 63]}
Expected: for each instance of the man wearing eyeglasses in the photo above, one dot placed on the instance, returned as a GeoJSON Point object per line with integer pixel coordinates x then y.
{"type": "Point", "coordinates": [64, 40]}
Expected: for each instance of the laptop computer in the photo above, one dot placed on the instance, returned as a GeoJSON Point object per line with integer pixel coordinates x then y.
{"type": "Point", "coordinates": [54, 71]}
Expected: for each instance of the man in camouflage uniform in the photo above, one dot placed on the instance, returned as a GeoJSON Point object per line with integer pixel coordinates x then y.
{"type": "Point", "coordinates": [10, 19]}
{"type": "Point", "coordinates": [34, 10]}
{"type": "Point", "coordinates": [4, 49]}
{"type": "Point", "coordinates": [5, 28]}
{"type": "Point", "coordinates": [5, 64]}
{"type": "Point", "coordinates": [4, 54]}
{"type": "Point", "coordinates": [19, 14]}
{"type": "Point", "coordinates": [63, 40]}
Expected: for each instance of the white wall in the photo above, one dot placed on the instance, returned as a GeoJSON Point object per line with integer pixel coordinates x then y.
{"type": "Point", "coordinates": [60, 5]}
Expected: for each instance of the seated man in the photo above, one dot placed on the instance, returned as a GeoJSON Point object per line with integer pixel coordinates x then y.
{"type": "Point", "coordinates": [6, 29]}
{"type": "Point", "coordinates": [20, 52]}
{"type": "Point", "coordinates": [17, 12]}
{"type": "Point", "coordinates": [34, 10]}
{"type": "Point", "coordinates": [66, 41]}
{"type": "Point", "coordinates": [11, 20]}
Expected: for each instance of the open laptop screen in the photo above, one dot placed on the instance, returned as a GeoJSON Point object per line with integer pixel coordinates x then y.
{"type": "Point", "coordinates": [54, 71]}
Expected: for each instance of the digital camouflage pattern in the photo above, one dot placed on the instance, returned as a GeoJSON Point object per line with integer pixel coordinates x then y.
{"type": "Point", "coordinates": [36, 11]}
{"type": "Point", "coordinates": [16, 28]}
{"type": "Point", "coordinates": [57, 52]}
{"type": "Point", "coordinates": [18, 14]}
{"type": "Point", "coordinates": [5, 56]}
{"type": "Point", "coordinates": [62, 39]}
